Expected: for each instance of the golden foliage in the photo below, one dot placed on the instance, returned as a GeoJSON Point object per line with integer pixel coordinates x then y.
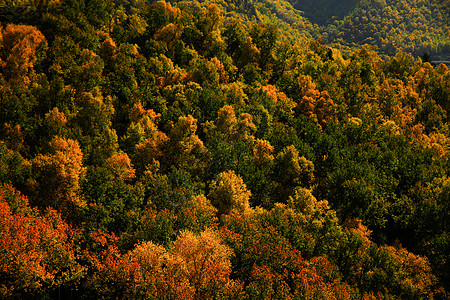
{"type": "Point", "coordinates": [204, 210]}
{"type": "Point", "coordinates": [21, 43]}
{"type": "Point", "coordinates": [108, 50]}
{"type": "Point", "coordinates": [417, 272]}
{"type": "Point", "coordinates": [229, 193]}
{"type": "Point", "coordinates": [223, 77]}
{"type": "Point", "coordinates": [55, 118]}
{"type": "Point", "coordinates": [169, 34]}
{"type": "Point", "coordinates": [214, 17]}
{"type": "Point", "coordinates": [230, 128]}
{"type": "Point", "coordinates": [226, 120]}
{"type": "Point", "coordinates": [58, 175]}
{"type": "Point", "coordinates": [151, 149]}
{"type": "Point", "coordinates": [206, 260]}
{"type": "Point", "coordinates": [294, 168]}
{"type": "Point", "coordinates": [356, 226]}
{"type": "Point", "coordinates": [120, 166]}
{"type": "Point", "coordinates": [234, 92]}
{"type": "Point", "coordinates": [197, 266]}
{"type": "Point", "coordinates": [262, 152]}
{"type": "Point", "coordinates": [317, 105]}
{"type": "Point", "coordinates": [146, 119]}
{"type": "Point", "coordinates": [246, 127]}
{"type": "Point", "coordinates": [55, 122]}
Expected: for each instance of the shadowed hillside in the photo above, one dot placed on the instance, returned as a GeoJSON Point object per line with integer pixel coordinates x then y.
{"type": "Point", "coordinates": [324, 12]}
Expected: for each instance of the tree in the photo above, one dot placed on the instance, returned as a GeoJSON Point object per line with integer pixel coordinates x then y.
{"type": "Point", "coordinates": [184, 148]}
{"type": "Point", "coordinates": [291, 170]}
{"type": "Point", "coordinates": [418, 281]}
{"type": "Point", "coordinates": [206, 261]}
{"type": "Point", "coordinates": [158, 15]}
{"type": "Point", "coordinates": [204, 72]}
{"type": "Point", "coordinates": [229, 128]}
{"type": "Point", "coordinates": [314, 104]}
{"type": "Point", "coordinates": [229, 193]}
{"type": "Point", "coordinates": [120, 167]}
{"type": "Point", "coordinates": [151, 150]}
{"type": "Point", "coordinates": [143, 125]}
{"type": "Point", "coordinates": [110, 274]}
{"type": "Point", "coordinates": [37, 252]}
{"type": "Point", "coordinates": [99, 139]}
{"type": "Point", "coordinates": [262, 153]}
{"type": "Point", "coordinates": [196, 266]}
{"type": "Point", "coordinates": [55, 123]}
{"type": "Point", "coordinates": [265, 37]}
{"type": "Point", "coordinates": [58, 174]}
{"type": "Point", "coordinates": [209, 23]}
{"type": "Point", "coordinates": [400, 66]}
{"type": "Point", "coordinates": [169, 34]}
{"type": "Point", "coordinates": [13, 167]}
{"type": "Point", "coordinates": [22, 47]}
{"type": "Point", "coordinates": [13, 137]}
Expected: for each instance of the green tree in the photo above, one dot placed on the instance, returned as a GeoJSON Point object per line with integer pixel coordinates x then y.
{"type": "Point", "coordinates": [291, 170]}
{"type": "Point", "coordinates": [185, 149]}
{"type": "Point", "coordinates": [99, 139]}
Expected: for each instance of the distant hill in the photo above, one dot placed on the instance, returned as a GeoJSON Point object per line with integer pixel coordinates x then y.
{"type": "Point", "coordinates": [416, 27]}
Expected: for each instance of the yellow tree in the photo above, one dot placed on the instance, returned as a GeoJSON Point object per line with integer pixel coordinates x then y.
{"type": "Point", "coordinates": [262, 153]}
{"type": "Point", "coordinates": [143, 126]}
{"type": "Point", "coordinates": [229, 193]}
{"type": "Point", "coordinates": [229, 128]}
{"type": "Point", "coordinates": [315, 104]}
{"type": "Point", "coordinates": [163, 275]}
{"type": "Point", "coordinates": [55, 122]}
{"type": "Point", "coordinates": [418, 278]}
{"type": "Point", "coordinates": [169, 34]}
{"type": "Point", "coordinates": [58, 174]}
{"type": "Point", "coordinates": [143, 141]}
{"type": "Point", "coordinates": [120, 167]}
{"type": "Point", "coordinates": [206, 261]}
{"type": "Point", "coordinates": [197, 266]}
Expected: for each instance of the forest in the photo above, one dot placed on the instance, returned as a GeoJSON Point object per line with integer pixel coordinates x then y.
{"type": "Point", "coordinates": [223, 150]}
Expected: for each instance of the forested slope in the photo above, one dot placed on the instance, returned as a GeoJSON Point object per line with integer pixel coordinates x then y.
{"type": "Point", "coordinates": [170, 151]}
{"type": "Point", "coordinates": [415, 27]}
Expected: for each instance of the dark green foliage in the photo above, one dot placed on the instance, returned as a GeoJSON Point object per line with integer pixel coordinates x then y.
{"type": "Point", "coordinates": [112, 205]}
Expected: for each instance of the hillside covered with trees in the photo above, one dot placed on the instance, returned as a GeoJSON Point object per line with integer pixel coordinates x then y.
{"type": "Point", "coordinates": [190, 151]}
{"type": "Point", "coordinates": [416, 27]}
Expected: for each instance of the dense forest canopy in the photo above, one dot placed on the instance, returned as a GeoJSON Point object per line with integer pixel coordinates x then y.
{"type": "Point", "coordinates": [199, 150]}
